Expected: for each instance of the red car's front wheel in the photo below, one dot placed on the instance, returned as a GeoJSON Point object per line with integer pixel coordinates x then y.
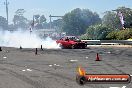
{"type": "Point", "coordinates": [72, 46]}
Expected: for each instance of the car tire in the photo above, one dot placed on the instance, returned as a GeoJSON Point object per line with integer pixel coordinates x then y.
{"type": "Point", "coordinates": [61, 46]}
{"type": "Point", "coordinates": [72, 46]}
{"type": "Point", "coordinates": [83, 47]}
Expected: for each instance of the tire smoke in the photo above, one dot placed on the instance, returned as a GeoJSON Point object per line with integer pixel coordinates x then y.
{"type": "Point", "coordinates": [25, 39]}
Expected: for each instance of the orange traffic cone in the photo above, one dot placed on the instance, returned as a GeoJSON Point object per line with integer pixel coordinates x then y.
{"type": "Point", "coordinates": [97, 57]}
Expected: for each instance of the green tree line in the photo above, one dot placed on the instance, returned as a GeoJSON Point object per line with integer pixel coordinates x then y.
{"type": "Point", "coordinates": [79, 22]}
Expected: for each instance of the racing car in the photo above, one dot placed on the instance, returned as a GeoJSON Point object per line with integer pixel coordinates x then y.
{"type": "Point", "coordinates": [71, 42]}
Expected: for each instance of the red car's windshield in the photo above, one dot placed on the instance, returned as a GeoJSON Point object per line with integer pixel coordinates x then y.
{"type": "Point", "coordinates": [71, 38]}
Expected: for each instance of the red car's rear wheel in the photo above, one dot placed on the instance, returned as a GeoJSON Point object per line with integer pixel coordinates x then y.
{"type": "Point", "coordinates": [61, 46]}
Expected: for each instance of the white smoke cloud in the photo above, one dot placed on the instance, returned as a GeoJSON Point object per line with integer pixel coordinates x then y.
{"type": "Point", "coordinates": [25, 40]}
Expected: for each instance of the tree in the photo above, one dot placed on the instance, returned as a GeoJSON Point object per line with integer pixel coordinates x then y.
{"type": "Point", "coordinates": [19, 20]}
{"type": "Point", "coordinates": [98, 32]}
{"type": "Point", "coordinates": [78, 20]}
{"type": "Point", "coordinates": [42, 19]}
{"type": "Point", "coordinates": [15, 19]}
{"type": "Point", "coordinates": [3, 23]}
{"type": "Point", "coordinates": [20, 12]}
{"type": "Point", "coordinates": [37, 18]}
{"type": "Point", "coordinates": [127, 13]}
{"type": "Point", "coordinates": [111, 19]}
{"type": "Point", "coordinates": [57, 24]}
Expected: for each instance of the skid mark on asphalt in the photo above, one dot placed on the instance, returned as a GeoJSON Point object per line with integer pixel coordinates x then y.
{"type": "Point", "coordinates": [37, 84]}
{"type": "Point", "coordinates": [23, 78]}
{"type": "Point", "coordinates": [114, 68]}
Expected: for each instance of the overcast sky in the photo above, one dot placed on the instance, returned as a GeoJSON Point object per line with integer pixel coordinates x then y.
{"type": "Point", "coordinates": [60, 7]}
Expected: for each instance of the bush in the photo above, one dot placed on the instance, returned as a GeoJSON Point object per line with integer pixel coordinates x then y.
{"type": "Point", "coordinates": [84, 37]}
{"type": "Point", "coordinates": [120, 35]}
{"type": "Point", "coordinates": [98, 32]}
{"type": "Point", "coordinates": [112, 35]}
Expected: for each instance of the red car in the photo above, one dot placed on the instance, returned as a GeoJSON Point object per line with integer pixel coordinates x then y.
{"type": "Point", "coordinates": [71, 42]}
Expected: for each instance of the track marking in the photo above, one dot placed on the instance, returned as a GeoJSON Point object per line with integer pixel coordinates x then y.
{"type": "Point", "coordinates": [4, 57]}
{"type": "Point", "coordinates": [26, 70]}
{"type": "Point", "coordinates": [29, 70]}
{"type": "Point", "coordinates": [118, 87]}
{"type": "Point", "coordinates": [86, 57]}
{"type": "Point", "coordinates": [73, 60]}
{"type": "Point", "coordinates": [50, 65]}
{"type": "Point", "coordinates": [23, 70]}
{"type": "Point", "coordinates": [124, 87]}
{"type": "Point", "coordinates": [57, 65]}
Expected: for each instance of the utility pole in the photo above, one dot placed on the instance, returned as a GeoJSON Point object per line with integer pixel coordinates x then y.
{"type": "Point", "coordinates": [50, 21]}
{"type": "Point", "coordinates": [6, 3]}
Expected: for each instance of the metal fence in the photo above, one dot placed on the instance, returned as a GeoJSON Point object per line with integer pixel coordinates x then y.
{"type": "Point", "coordinates": [108, 42]}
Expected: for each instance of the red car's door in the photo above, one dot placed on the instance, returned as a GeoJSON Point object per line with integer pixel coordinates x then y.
{"type": "Point", "coordinates": [67, 43]}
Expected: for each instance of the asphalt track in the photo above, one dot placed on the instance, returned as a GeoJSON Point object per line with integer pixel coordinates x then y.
{"type": "Point", "coordinates": [57, 68]}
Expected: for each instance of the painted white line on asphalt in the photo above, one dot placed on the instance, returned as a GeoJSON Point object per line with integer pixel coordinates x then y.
{"type": "Point", "coordinates": [124, 87]}
{"type": "Point", "coordinates": [23, 70]}
{"type": "Point", "coordinates": [4, 57]}
{"type": "Point", "coordinates": [73, 60]}
{"type": "Point", "coordinates": [86, 57]}
{"type": "Point", "coordinates": [119, 87]}
{"type": "Point", "coordinates": [57, 65]}
{"type": "Point", "coordinates": [108, 52]}
{"type": "Point", "coordinates": [29, 70]}
{"type": "Point", "coordinates": [50, 65]}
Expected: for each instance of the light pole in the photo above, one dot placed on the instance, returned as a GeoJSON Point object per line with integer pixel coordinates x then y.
{"type": "Point", "coordinates": [6, 3]}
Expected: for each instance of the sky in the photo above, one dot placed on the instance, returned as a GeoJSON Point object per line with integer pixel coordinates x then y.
{"type": "Point", "coordinates": [60, 7]}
